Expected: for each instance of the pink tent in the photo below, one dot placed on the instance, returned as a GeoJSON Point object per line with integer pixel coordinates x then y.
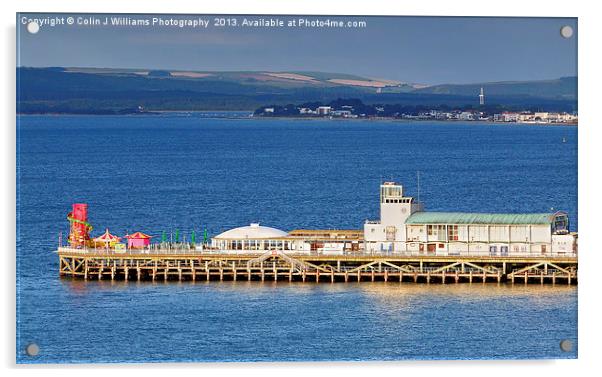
{"type": "Point", "coordinates": [138, 240]}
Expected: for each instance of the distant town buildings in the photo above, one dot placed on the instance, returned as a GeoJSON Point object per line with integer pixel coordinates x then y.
{"type": "Point", "coordinates": [506, 117]}
{"type": "Point", "coordinates": [463, 115]}
{"type": "Point", "coordinates": [324, 110]}
{"type": "Point", "coordinates": [467, 115]}
{"type": "Point", "coordinates": [342, 113]}
{"type": "Point", "coordinates": [535, 117]}
{"type": "Point", "coordinates": [337, 109]}
{"type": "Point", "coordinates": [307, 111]}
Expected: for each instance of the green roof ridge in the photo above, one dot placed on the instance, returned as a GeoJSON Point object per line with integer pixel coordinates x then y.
{"type": "Point", "coordinates": [480, 218]}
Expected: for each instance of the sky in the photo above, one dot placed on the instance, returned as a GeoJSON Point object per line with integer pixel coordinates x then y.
{"type": "Point", "coordinates": [426, 50]}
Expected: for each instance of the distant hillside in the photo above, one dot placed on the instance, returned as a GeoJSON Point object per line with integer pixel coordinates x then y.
{"type": "Point", "coordinates": [111, 91]}
{"type": "Point", "coordinates": [562, 88]}
{"type": "Point", "coordinates": [270, 79]}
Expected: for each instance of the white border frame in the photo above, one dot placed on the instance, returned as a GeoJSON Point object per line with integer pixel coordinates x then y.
{"type": "Point", "coordinates": [589, 64]}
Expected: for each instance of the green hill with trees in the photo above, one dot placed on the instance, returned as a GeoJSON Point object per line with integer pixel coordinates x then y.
{"type": "Point", "coordinates": [122, 91]}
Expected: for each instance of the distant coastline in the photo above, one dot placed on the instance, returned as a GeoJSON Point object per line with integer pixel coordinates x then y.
{"type": "Point", "coordinates": [402, 120]}
{"type": "Point", "coordinates": [98, 91]}
{"type": "Point", "coordinates": [355, 109]}
{"type": "Point", "coordinates": [248, 115]}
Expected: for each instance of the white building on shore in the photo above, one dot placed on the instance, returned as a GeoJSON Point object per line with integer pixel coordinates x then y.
{"type": "Point", "coordinates": [535, 117]}
{"type": "Point", "coordinates": [323, 110]}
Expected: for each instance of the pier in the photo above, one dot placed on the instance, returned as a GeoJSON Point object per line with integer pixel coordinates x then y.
{"type": "Point", "coordinates": [191, 265]}
{"type": "Point", "coordinates": [407, 243]}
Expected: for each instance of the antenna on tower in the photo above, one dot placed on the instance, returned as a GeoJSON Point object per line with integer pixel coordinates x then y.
{"type": "Point", "coordinates": [418, 179]}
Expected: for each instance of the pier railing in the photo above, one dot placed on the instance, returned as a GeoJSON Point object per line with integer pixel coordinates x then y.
{"type": "Point", "coordinates": [150, 251]}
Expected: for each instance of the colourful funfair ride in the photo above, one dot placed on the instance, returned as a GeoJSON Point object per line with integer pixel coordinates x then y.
{"type": "Point", "coordinates": [80, 228]}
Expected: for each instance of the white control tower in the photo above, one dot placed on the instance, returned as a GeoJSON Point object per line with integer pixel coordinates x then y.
{"type": "Point", "coordinates": [389, 234]}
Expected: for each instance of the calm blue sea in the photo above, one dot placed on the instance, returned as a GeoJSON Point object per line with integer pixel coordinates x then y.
{"type": "Point", "coordinates": [167, 172]}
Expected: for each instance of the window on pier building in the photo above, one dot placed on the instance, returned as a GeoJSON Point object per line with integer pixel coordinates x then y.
{"type": "Point", "coordinates": [452, 232]}
{"type": "Point", "coordinates": [389, 192]}
{"type": "Point", "coordinates": [430, 230]}
{"type": "Point", "coordinates": [561, 223]}
{"type": "Point", "coordinates": [436, 232]}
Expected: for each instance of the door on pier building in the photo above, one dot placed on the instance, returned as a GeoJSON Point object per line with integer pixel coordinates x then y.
{"type": "Point", "coordinates": [431, 247]}
{"type": "Point", "coordinates": [504, 250]}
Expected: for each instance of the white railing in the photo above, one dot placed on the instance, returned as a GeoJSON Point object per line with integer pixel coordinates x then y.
{"type": "Point", "coordinates": [469, 254]}
{"type": "Point", "coordinates": [153, 250]}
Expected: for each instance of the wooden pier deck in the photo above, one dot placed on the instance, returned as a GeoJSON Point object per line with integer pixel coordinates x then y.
{"type": "Point", "coordinates": [278, 266]}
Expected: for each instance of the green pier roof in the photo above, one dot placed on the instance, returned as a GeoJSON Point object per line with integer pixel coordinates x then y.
{"type": "Point", "coordinates": [480, 218]}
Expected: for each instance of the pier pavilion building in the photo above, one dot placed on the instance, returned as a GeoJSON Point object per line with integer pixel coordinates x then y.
{"type": "Point", "coordinates": [259, 238]}
{"type": "Point", "coordinates": [404, 226]}
{"type": "Point", "coordinates": [252, 238]}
